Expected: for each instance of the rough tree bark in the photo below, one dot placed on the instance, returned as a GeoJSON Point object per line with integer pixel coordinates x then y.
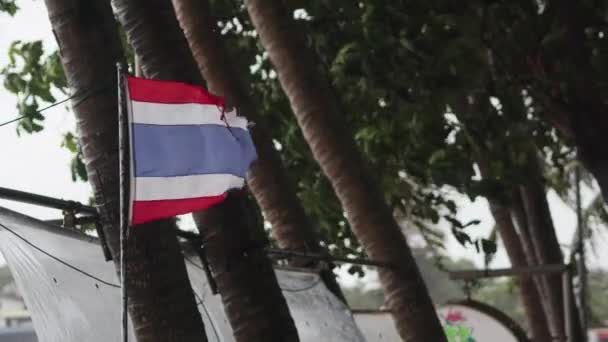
{"type": "Point", "coordinates": [518, 212]}
{"type": "Point", "coordinates": [544, 239]}
{"type": "Point", "coordinates": [519, 216]}
{"type": "Point", "coordinates": [268, 179]}
{"type": "Point", "coordinates": [530, 295]}
{"type": "Point", "coordinates": [334, 148]}
{"type": "Point", "coordinates": [531, 298]}
{"type": "Point", "coordinates": [541, 231]}
{"type": "Point", "coordinates": [161, 303]}
{"type": "Point", "coordinates": [245, 277]}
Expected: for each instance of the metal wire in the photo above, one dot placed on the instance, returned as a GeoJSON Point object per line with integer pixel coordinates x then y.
{"type": "Point", "coordinates": [199, 301]}
{"type": "Point", "coordinates": [305, 288]}
{"type": "Point", "coordinates": [55, 104]}
{"type": "Point", "coordinates": [65, 263]}
{"type": "Point", "coordinates": [39, 111]}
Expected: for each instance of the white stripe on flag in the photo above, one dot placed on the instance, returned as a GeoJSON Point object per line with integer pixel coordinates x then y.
{"type": "Point", "coordinates": [184, 114]}
{"type": "Point", "coordinates": [170, 188]}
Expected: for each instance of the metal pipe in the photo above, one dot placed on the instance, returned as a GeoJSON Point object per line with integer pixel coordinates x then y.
{"type": "Point", "coordinates": [45, 201]}
{"type": "Point", "coordinates": [312, 256]}
{"type": "Point", "coordinates": [581, 266]}
{"type": "Point", "coordinates": [123, 143]}
{"type": "Point", "coordinates": [68, 207]}
{"type": "Point", "coordinates": [567, 290]}
{"type": "Point", "coordinates": [328, 258]}
{"type": "Point", "coordinates": [507, 272]}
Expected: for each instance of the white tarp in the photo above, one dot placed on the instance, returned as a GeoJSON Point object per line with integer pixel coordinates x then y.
{"type": "Point", "coordinates": [69, 306]}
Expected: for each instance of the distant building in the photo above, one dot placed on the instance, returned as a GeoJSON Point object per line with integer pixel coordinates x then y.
{"type": "Point", "coordinates": [15, 320]}
{"type": "Point", "coordinates": [24, 333]}
{"type": "Point", "coordinates": [13, 311]}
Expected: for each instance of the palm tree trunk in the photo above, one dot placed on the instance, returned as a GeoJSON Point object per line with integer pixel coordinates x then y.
{"type": "Point", "coordinates": [544, 239]}
{"type": "Point", "coordinates": [531, 299]}
{"type": "Point", "coordinates": [530, 296]}
{"type": "Point", "coordinates": [518, 212]}
{"type": "Point", "coordinates": [245, 277]}
{"type": "Point", "coordinates": [90, 47]}
{"type": "Point", "coordinates": [519, 215]}
{"type": "Point", "coordinates": [334, 148]}
{"type": "Point", "coordinates": [267, 180]}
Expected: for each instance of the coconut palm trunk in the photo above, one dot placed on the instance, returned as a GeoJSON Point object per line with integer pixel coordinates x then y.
{"type": "Point", "coordinates": [544, 240]}
{"type": "Point", "coordinates": [334, 148]}
{"type": "Point", "coordinates": [530, 295]}
{"type": "Point", "coordinates": [244, 275]}
{"type": "Point", "coordinates": [161, 303]}
{"type": "Point", "coordinates": [520, 219]}
{"type": "Point", "coordinates": [268, 179]}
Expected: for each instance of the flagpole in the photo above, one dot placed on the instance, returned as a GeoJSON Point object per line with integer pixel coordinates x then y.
{"type": "Point", "coordinates": [123, 145]}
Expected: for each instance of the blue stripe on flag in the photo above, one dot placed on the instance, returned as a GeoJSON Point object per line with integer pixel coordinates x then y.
{"type": "Point", "coordinates": [182, 150]}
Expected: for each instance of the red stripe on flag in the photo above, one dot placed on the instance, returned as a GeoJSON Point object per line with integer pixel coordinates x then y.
{"type": "Point", "coordinates": [146, 211]}
{"type": "Point", "coordinates": [146, 90]}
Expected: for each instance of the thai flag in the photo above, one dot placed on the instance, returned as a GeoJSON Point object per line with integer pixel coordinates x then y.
{"type": "Point", "coordinates": [186, 152]}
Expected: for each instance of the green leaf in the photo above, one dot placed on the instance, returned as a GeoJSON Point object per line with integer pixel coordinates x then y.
{"type": "Point", "coordinates": [461, 237]}
{"type": "Point", "coordinates": [437, 156]}
{"type": "Point", "coordinates": [33, 78]}
{"type": "Point", "coordinates": [78, 168]}
{"type": "Point", "coordinates": [14, 83]}
{"type": "Point", "coordinates": [488, 246]}
{"type": "Point", "coordinates": [69, 142]}
{"type": "Point", "coordinates": [8, 6]}
{"type": "Point", "coordinates": [471, 223]}
{"type": "Point", "coordinates": [454, 221]}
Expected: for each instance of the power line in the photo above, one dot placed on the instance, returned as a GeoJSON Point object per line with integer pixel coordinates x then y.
{"type": "Point", "coordinates": [192, 262]}
{"type": "Point", "coordinates": [199, 301]}
{"type": "Point", "coordinates": [283, 253]}
{"type": "Point", "coordinates": [305, 288]}
{"type": "Point", "coordinates": [85, 273]}
{"type": "Point", "coordinates": [55, 104]}
{"type": "Point", "coordinates": [286, 254]}
{"type": "Point", "coordinates": [39, 111]}
{"type": "Point", "coordinates": [11, 121]}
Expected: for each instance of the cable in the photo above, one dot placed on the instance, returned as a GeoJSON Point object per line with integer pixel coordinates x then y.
{"type": "Point", "coordinates": [285, 254]}
{"type": "Point", "coordinates": [198, 298]}
{"type": "Point", "coordinates": [59, 260]}
{"type": "Point", "coordinates": [38, 112]}
{"type": "Point", "coordinates": [306, 288]}
{"type": "Point", "coordinates": [55, 104]}
{"type": "Point", "coordinates": [193, 263]}
{"type": "Point", "coordinates": [201, 303]}
{"type": "Point", "coordinates": [13, 120]}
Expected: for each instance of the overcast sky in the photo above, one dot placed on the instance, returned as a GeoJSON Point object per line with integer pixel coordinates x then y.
{"type": "Point", "coordinates": [37, 163]}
